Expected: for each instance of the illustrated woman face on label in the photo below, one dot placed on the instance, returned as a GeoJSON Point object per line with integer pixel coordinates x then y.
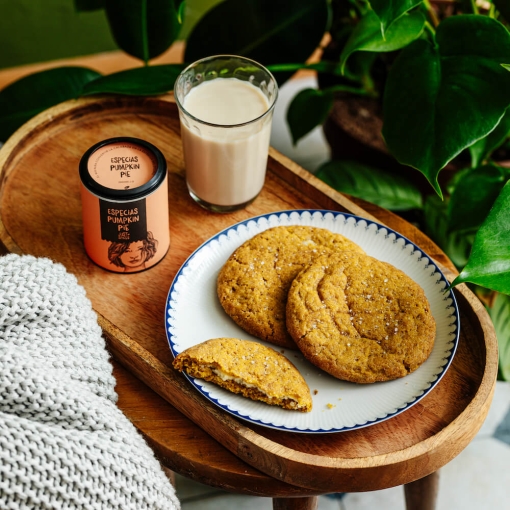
{"type": "Point", "coordinates": [132, 256]}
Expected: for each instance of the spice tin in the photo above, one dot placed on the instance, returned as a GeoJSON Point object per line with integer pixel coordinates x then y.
{"type": "Point", "coordinates": [124, 196]}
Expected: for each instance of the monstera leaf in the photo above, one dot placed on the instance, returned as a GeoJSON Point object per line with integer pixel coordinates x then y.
{"type": "Point", "coordinates": [267, 31]}
{"type": "Point", "coordinates": [489, 262]}
{"type": "Point", "coordinates": [441, 98]}
{"type": "Point", "coordinates": [389, 11]}
{"type": "Point", "coordinates": [144, 28]}
{"type": "Point", "coordinates": [367, 35]}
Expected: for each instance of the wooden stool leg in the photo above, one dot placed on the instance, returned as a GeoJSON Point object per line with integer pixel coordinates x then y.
{"type": "Point", "coordinates": [422, 494]}
{"type": "Point", "coordinates": [309, 503]}
{"type": "Point", "coordinates": [170, 474]}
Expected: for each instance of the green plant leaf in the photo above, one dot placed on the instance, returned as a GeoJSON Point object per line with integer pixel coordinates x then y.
{"type": "Point", "coordinates": [440, 99]}
{"type": "Point", "coordinates": [36, 92]}
{"type": "Point", "coordinates": [267, 31]}
{"type": "Point", "coordinates": [456, 245]}
{"type": "Point", "coordinates": [389, 11]}
{"type": "Point", "coordinates": [144, 28]}
{"type": "Point", "coordinates": [474, 195]}
{"type": "Point", "coordinates": [489, 261]}
{"type": "Point", "coordinates": [141, 81]}
{"type": "Point", "coordinates": [482, 149]}
{"type": "Point", "coordinates": [308, 108]}
{"type": "Point", "coordinates": [367, 35]}
{"type": "Point", "coordinates": [500, 315]}
{"type": "Point", "coordinates": [88, 5]}
{"type": "Point", "coordinates": [372, 184]}
{"type": "Point", "coordinates": [455, 178]}
{"type": "Point", "coordinates": [321, 67]}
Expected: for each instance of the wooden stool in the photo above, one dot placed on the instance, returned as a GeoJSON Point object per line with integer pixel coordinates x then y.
{"type": "Point", "coordinates": [40, 214]}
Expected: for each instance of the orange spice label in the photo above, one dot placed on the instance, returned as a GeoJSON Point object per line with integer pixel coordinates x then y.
{"type": "Point", "coordinates": [122, 166]}
{"type": "Point", "coordinates": [126, 237]}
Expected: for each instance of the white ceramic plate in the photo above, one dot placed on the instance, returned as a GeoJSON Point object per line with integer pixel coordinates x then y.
{"type": "Point", "coordinates": [194, 314]}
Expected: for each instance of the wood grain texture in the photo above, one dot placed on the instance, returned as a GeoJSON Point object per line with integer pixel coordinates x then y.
{"type": "Point", "coordinates": [188, 449]}
{"type": "Point", "coordinates": [40, 214]}
{"type": "Point", "coordinates": [422, 494]}
{"type": "Point", "coordinates": [296, 504]}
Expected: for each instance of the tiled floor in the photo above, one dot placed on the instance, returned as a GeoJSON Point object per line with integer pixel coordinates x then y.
{"type": "Point", "coordinates": [478, 478]}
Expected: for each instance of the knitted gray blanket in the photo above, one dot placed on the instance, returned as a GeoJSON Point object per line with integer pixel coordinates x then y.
{"type": "Point", "coordinates": [63, 441]}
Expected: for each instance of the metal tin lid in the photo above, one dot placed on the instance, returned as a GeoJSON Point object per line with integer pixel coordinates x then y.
{"type": "Point", "coordinates": [122, 169]}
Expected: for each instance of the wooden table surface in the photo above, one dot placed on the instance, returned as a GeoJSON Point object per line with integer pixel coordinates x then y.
{"type": "Point", "coordinates": [241, 458]}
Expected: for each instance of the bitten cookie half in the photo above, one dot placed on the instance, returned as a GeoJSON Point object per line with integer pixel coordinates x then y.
{"type": "Point", "coordinates": [360, 319]}
{"type": "Point", "coordinates": [248, 368]}
{"type": "Point", "coordinates": [252, 285]}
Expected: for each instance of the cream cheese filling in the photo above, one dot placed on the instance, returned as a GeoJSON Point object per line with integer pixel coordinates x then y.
{"type": "Point", "coordinates": [226, 377]}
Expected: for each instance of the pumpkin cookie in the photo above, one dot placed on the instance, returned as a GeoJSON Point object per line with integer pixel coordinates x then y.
{"type": "Point", "coordinates": [252, 285]}
{"type": "Point", "coordinates": [248, 368]}
{"type": "Point", "coordinates": [360, 319]}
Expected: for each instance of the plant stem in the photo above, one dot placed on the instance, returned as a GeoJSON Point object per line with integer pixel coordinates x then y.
{"type": "Point", "coordinates": [352, 90]}
{"type": "Point", "coordinates": [323, 66]}
{"type": "Point", "coordinates": [333, 68]}
{"type": "Point", "coordinates": [430, 29]}
{"type": "Point", "coordinates": [431, 13]}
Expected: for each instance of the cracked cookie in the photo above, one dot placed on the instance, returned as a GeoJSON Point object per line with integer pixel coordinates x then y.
{"type": "Point", "coordinates": [252, 285]}
{"type": "Point", "coordinates": [248, 368]}
{"type": "Point", "coordinates": [360, 319]}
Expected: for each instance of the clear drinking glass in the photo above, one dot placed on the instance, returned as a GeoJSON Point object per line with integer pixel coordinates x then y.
{"type": "Point", "coordinates": [225, 159]}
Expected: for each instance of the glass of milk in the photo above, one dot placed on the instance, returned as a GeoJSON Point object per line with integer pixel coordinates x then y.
{"type": "Point", "coordinates": [226, 105]}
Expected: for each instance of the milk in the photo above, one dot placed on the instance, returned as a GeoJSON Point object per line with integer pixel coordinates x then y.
{"type": "Point", "coordinates": [225, 141]}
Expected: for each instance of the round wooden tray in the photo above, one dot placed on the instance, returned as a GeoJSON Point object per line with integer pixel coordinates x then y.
{"type": "Point", "coordinates": [40, 214]}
